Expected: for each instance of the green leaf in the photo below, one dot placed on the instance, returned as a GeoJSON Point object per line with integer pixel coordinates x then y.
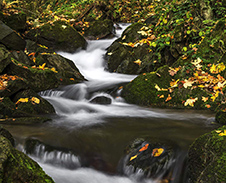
{"type": "Point", "coordinates": [185, 49]}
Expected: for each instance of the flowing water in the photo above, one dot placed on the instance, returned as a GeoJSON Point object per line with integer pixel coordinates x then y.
{"type": "Point", "coordinates": [85, 141]}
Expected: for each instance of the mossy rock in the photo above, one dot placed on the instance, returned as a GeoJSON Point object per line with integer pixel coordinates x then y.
{"type": "Point", "coordinates": [207, 158]}
{"type": "Point", "coordinates": [15, 166]}
{"type": "Point", "coordinates": [16, 22]}
{"type": "Point", "coordinates": [13, 87]}
{"type": "Point", "coordinates": [4, 58]}
{"type": "Point", "coordinates": [221, 114]}
{"type": "Point", "coordinates": [10, 38]}
{"type": "Point", "coordinates": [142, 89]}
{"type": "Point", "coordinates": [7, 108]}
{"type": "Point", "coordinates": [59, 35]}
{"type": "Point", "coordinates": [100, 29]}
{"type": "Point", "coordinates": [32, 107]}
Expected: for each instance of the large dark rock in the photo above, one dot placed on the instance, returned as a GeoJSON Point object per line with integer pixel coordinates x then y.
{"type": "Point", "coordinates": [10, 38]}
{"type": "Point", "coordinates": [58, 35]}
{"type": "Point", "coordinates": [4, 57]}
{"type": "Point", "coordinates": [100, 29]}
{"type": "Point", "coordinates": [36, 105]}
{"type": "Point", "coordinates": [207, 158]}
{"type": "Point", "coordinates": [15, 21]}
{"type": "Point", "coordinates": [154, 159]}
{"type": "Point", "coordinates": [15, 166]}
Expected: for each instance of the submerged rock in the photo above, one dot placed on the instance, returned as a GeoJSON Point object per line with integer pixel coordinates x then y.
{"type": "Point", "coordinates": [59, 35]}
{"type": "Point", "coordinates": [207, 158]}
{"type": "Point", "coordinates": [101, 100]}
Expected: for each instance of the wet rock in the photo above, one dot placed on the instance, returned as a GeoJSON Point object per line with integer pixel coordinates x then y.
{"type": "Point", "coordinates": [18, 167]}
{"type": "Point", "coordinates": [100, 29]}
{"type": "Point", "coordinates": [53, 155]}
{"type": "Point", "coordinates": [206, 157]}
{"type": "Point", "coordinates": [101, 100]}
{"type": "Point", "coordinates": [60, 36]}
{"type": "Point", "coordinates": [10, 38]}
{"type": "Point", "coordinates": [153, 159]}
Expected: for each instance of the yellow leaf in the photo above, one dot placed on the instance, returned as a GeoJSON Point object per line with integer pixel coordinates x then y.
{"type": "Point", "coordinates": [110, 53]}
{"type": "Point", "coordinates": [64, 26]}
{"type": "Point", "coordinates": [157, 152]}
{"type": "Point", "coordinates": [54, 70]}
{"type": "Point", "coordinates": [157, 87]}
{"type": "Point", "coordinates": [42, 66]}
{"type": "Point", "coordinates": [162, 96]}
{"type": "Point", "coordinates": [138, 62]}
{"type": "Point", "coordinates": [133, 157]}
{"type": "Point", "coordinates": [218, 131]}
{"type": "Point", "coordinates": [223, 133]}
{"type": "Point", "coordinates": [22, 100]}
{"type": "Point", "coordinates": [190, 102]}
{"type": "Point", "coordinates": [174, 83]}
{"type": "Point", "coordinates": [215, 95]}
{"type": "Point", "coordinates": [204, 99]}
{"type": "Point", "coordinates": [35, 100]}
{"type": "Point", "coordinates": [187, 83]}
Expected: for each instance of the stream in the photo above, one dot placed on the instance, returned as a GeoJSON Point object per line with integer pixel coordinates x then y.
{"type": "Point", "coordinates": [85, 141]}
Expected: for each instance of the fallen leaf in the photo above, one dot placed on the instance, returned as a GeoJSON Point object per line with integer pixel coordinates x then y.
{"type": "Point", "coordinates": [35, 100]}
{"type": "Point", "coordinates": [157, 152]}
{"type": "Point", "coordinates": [223, 133]}
{"type": "Point", "coordinates": [162, 96]}
{"type": "Point", "coordinates": [22, 100]}
{"type": "Point", "coordinates": [144, 148]}
{"type": "Point", "coordinates": [133, 157]}
{"type": "Point", "coordinates": [168, 98]}
{"type": "Point", "coordinates": [138, 62]}
{"type": "Point", "coordinates": [207, 106]}
{"type": "Point", "coordinates": [204, 99]}
{"type": "Point", "coordinates": [190, 102]}
{"type": "Point", "coordinates": [187, 83]}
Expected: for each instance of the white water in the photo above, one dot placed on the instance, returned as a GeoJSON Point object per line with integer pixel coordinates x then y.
{"type": "Point", "coordinates": [74, 110]}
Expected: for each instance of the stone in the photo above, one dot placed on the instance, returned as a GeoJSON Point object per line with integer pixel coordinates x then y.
{"type": "Point", "coordinates": [10, 38]}
{"type": "Point", "coordinates": [101, 100]}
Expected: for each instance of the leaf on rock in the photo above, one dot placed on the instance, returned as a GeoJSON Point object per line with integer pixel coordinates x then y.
{"type": "Point", "coordinates": [223, 133]}
{"type": "Point", "coordinates": [35, 100]}
{"type": "Point", "coordinates": [168, 98]}
{"type": "Point", "coordinates": [22, 100]}
{"type": "Point", "coordinates": [190, 101]}
{"type": "Point", "coordinates": [133, 157]}
{"type": "Point", "coordinates": [157, 152]}
{"type": "Point", "coordinates": [144, 148]}
{"type": "Point", "coordinates": [138, 62]}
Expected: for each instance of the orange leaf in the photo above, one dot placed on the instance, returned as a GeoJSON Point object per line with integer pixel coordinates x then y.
{"type": "Point", "coordinates": [144, 148]}
{"type": "Point", "coordinates": [168, 98]}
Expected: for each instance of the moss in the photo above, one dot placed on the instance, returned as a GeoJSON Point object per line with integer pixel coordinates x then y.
{"type": "Point", "coordinates": [207, 158]}
{"type": "Point", "coordinates": [59, 36]}
{"type": "Point", "coordinates": [15, 166]}
{"type": "Point", "coordinates": [142, 89]}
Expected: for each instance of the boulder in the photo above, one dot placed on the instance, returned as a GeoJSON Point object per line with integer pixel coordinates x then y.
{"type": "Point", "coordinates": [15, 21]}
{"type": "Point", "coordinates": [15, 166]}
{"type": "Point", "coordinates": [4, 57]}
{"type": "Point", "coordinates": [154, 160]}
{"type": "Point", "coordinates": [58, 35]}
{"type": "Point", "coordinates": [101, 100]}
{"type": "Point", "coordinates": [100, 29]}
{"type": "Point", "coordinates": [7, 108]}
{"type": "Point", "coordinates": [35, 105]}
{"type": "Point", "coordinates": [10, 38]}
{"type": "Point", "coordinates": [207, 159]}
